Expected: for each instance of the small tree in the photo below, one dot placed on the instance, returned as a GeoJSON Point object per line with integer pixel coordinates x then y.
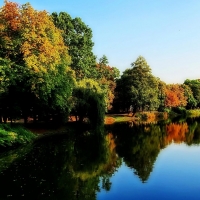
{"type": "Point", "coordinates": [89, 104]}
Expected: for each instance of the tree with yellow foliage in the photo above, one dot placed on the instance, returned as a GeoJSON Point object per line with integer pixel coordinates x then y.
{"type": "Point", "coordinates": [33, 57]}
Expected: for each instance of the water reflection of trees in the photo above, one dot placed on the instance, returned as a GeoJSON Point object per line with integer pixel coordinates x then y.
{"type": "Point", "coordinates": [187, 132]}
{"type": "Point", "coordinates": [76, 166]}
{"type": "Point", "coordinates": [140, 145]}
{"type": "Point", "coordinates": [64, 167]}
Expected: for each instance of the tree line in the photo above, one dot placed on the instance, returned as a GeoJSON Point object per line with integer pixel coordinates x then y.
{"type": "Point", "coordinates": [139, 88]}
{"type": "Point", "coordinates": [48, 70]}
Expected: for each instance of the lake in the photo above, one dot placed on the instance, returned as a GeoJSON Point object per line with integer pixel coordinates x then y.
{"type": "Point", "coordinates": [130, 161]}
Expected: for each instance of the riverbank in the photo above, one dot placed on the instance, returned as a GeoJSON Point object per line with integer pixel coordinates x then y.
{"type": "Point", "coordinates": [14, 135]}
{"type": "Point", "coordinates": [151, 116]}
{"type": "Point", "coordinates": [147, 117]}
{"type": "Point", "coordinates": [18, 134]}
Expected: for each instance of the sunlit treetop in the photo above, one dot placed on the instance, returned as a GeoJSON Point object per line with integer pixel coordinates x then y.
{"type": "Point", "coordinates": [33, 47]}
{"type": "Point", "coordinates": [32, 34]}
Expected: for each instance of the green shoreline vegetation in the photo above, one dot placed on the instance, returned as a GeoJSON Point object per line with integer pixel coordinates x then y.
{"type": "Point", "coordinates": [16, 134]}
{"type": "Point", "coordinates": [13, 136]}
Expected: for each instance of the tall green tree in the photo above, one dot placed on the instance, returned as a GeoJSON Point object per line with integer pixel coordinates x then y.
{"type": "Point", "coordinates": [138, 87]}
{"type": "Point", "coordinates": [78, 37]}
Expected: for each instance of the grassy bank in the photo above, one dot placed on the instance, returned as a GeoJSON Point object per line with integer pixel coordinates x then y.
{"type": "Point", "coordinates": [151, 117]}
{"type": "Point", "coordinates": [112, 118]}
{"type": "Point", "coordinates": [17, 134]}
{"type": "Point", "coordinates": [14, 135]}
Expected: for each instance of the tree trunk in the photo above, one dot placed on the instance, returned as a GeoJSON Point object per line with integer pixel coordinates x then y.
{"type": "Point", "coordinates": [5, 119]}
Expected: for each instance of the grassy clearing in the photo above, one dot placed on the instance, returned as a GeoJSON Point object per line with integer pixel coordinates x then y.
{"type": "Point", "coordinates": [112, 118]}
{"type": "Point", "coordinates": [147, 117]}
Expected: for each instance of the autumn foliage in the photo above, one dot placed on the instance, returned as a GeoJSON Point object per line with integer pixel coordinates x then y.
{"type": "Point", "coordinates": [34, 59]}
{"type": "Point", "coordinates": [106, 78]}
{"type": "Point", "coordinates": [174, 96]}
{"type": "Point", "coordinates": [10, 16]}
{"type": "Point", "coordinates": [32, 34]}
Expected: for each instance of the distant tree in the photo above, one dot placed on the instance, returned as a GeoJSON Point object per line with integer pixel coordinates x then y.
{"type": "Point", "coordinates": [191, 101]}
{"type": "Point", "coordinates": [106, 77]}
{"type": "Point", "coordinates": [138, 87]}
{"type": "Point", "coordinates": [195, 87]}
{"type": "Point", "coordinates": [175, 96]}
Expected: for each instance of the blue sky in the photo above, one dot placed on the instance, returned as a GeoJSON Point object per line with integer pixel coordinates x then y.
{"type": "Point", "coordinates": [165, 32]}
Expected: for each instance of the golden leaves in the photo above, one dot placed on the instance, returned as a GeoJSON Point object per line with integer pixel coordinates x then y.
{"type": "Point", "coordinates": [41, 43]}
{"type": "Point", "coordinates": [44, 39]}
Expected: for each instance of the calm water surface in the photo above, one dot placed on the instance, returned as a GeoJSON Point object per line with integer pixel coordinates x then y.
{"type": "Point", "coordinates": [157, 161]}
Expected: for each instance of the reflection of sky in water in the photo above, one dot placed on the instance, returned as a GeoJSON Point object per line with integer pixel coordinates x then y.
{"type": "Point", "coordinates": [176, 175]}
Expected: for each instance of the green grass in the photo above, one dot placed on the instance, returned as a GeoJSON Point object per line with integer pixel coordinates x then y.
{"type": "Point", "coordinates": [147, 117]}
{"type": "Point", "coordinates": [10, 136]}
{"type": "Point", "coordinates": [120, 118]}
